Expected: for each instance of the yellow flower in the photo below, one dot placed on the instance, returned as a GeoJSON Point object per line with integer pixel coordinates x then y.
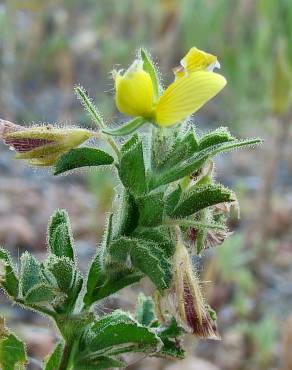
{"type": "Point", "coordinates": [195, 84]}
{"type": "Point", "coordinates": [41, 145]}
{"type": "Point", "coordinates": [134, 91]}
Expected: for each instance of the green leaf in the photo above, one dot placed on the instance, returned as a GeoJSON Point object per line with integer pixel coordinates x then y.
{"type": "Point", "coordinates": [160, 235]}
{"type": "Point", "coordinates": [30, 272]}
{"type": "Point", "coordinates": [184, 146]}
{"type": "Point", "coordinates": [100, 282]}
{"type": "Point", "coordinates": [171, 349]}
{"type": "Point", "coordinates": [106, 285]}
{"type": "Point", "coordinates": [202, 232]}
{"type": "Point", "coordinates": [172, 330]}
{"type": "Point", "coordinates": [130, 143]}
{"type": "Point", "coordinates": [146, 256]}
{"type": "Point", "coordinates": [192, 164]}
{"type": "Point", "coordinates": [54, 359]}
{"type": "Point", "coordinates": [152, 261]}
{"type": "Point", "coordinates": [12, 350]}
{"type": "Point", "coordinates": [118, 333]}
{"type": "Point", "coordinates": [171, 346]}
{"type": "Point", "coordinates": [172, 200]}
{"type": "Point", "coordinates": [200, 197]}
{"type": "Point", "coordinates": [39, 293]}
{"type": "Point", "coordinates": [145, 313]}
{"type": "Point", "coordinates": [99, 363]}
{"type": "Point", "coordinates": [126, 128]}
{"type": "Point", "coordinates": [63, 270]}
{"type": "Point", "coordinates": [151, 207]}
{"type": "Point", "coordinates": [149, 67]}
{"type": "Point", "coordinates": [60, 239]}
{"type": "Point", "coordinates": [68, 278]}
{"type": "Point", "coordinates": [218, 136]}
{"type": "Point", "coordinates": [119, 249]}
{"type": "Point", "coordinates": [9, 280]}
{"type": "Point", "coordinates": [82, 157]}
{"type": "Point", "coordinates": [96, 272]}
{"type": "Point", "coordinates": [127, 217]}
{"type": "Point", "coordinates": [132, 169]}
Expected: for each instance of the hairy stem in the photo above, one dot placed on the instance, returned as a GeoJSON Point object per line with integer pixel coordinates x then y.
{"type": "Point", "coordinates": [66, 357]}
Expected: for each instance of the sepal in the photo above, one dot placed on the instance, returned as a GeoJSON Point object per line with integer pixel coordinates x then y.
{"type": "Point", "coordinates": [126, 128]}
{"type": "Point", "coordinates": [149, 67]}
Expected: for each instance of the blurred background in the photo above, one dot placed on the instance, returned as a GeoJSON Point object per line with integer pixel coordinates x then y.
{"type": "Point", "coordinates": [46, 47]}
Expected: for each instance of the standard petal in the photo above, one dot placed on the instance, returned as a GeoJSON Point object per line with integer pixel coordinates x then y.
{"type": "Point", "coordinates": [186, 95]}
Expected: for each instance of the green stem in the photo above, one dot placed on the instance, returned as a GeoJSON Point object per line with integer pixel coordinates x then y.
{"type": "Point", "coordinates": [96, 117]}
{"type": "Point", "coordinates": [66, 357]}
{"type": "Point", "coordinates": [112, 143]}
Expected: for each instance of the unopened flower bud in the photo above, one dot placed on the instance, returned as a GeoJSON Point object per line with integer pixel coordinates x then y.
{"type": "Point", "coordinates": [41, 145]}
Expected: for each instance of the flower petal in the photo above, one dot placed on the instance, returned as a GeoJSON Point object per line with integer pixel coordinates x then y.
{"type": "Point", "coordinates": [134, 92]}
{"type": "Point", "coordinates": [196, 60]}
{"type": "Point", "coordinates": [186, 95]}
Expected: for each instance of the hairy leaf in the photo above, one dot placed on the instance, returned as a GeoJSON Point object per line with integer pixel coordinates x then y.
{"type": "Point", "coordinates": [151, 207]}
{"type": "Point", "coordinates": [128, 215]}
{"type": "Point", "coordinates": [218, 136]}
{"type": "Point", "coordinates": [39, 293]}
{"type": "Point", "coordinates": [82, 157]}
{"type": "Point", "coordinates": [132, 169]}
{"type": "Point", "coordinates": [172, 330]}
{"type": "Point", "coordinates": [183, 148]}
{"type": "Point", "coordinates": [119, 332]}
{"type": "Point", "coordinates": [96, 274]}
{"type": "Point", "coordinates": [30, 272]}
{"type": "Point", "coordinates": [160, 235]}
{"type": "Point", "coordinates": [68, 278]}
{"type": "Point", "coordinates": [100, 282]}
{"type": "Point", "coordinates": [196, 161]}
{"type": "Point", "coordinates": [8, 279]}
{"type": "Point", "coordinates": [60, 239]}
{"type": "Point", "coordinates": [146, 256]}
{"type": "Point", "coordinates": [145, 313]}
{"type": "Point", "coordinates": [171, 349]}
{"type": "Point", "coordinates": [152, 261]}
{"type": "Point", "coordinates": [172, 200]}
{"type": "Point", "coordinates": [54, 359]}
{"type": "Point", "coordinates": [109, 285]}
{"type": "Point", "coordinates": [171, 345]}
{"type": "Point", "coordinates": [200, 197]}
{"type": "Point", "coordinates": [12, 350]}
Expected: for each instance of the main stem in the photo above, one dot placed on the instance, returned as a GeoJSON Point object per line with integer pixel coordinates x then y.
{"type": "Point", "coordinates": [66, 357]}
